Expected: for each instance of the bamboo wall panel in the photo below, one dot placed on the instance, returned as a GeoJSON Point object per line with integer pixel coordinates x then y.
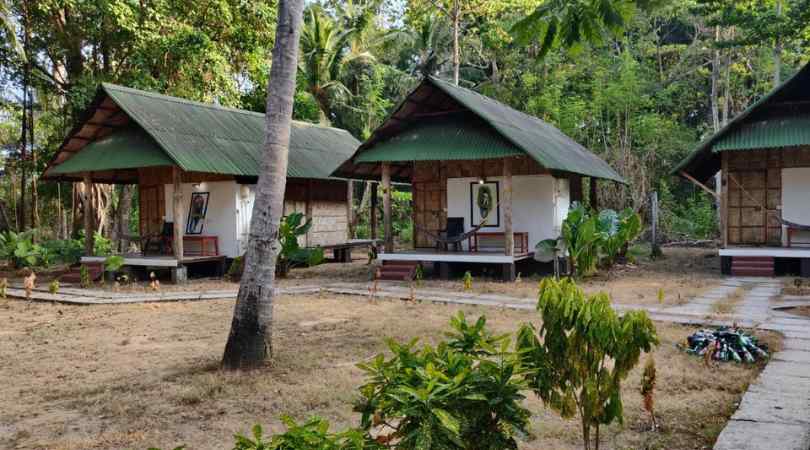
{"type": "Point", "coordinates": [753, 209]}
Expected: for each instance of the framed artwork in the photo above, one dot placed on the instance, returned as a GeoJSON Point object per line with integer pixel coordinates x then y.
{"type": "Point", "coordinates": [196, 212]}
{"type": "Point", "coordinates": [484, 204]}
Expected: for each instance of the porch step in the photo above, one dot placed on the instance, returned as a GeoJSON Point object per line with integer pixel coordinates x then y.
{"type": "Point", "coordinates": [94, 270]}
{"type": "Point", "coordinates": [752, 266]}
{"type": "Point", "coordinates": [397, 271]}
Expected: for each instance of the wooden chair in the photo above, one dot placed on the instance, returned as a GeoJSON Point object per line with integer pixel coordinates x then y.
{"type": "Point", "coordinates": [162, 241]}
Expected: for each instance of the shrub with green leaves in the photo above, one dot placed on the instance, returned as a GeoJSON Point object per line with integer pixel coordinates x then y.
{"type": "Point", "coordinates": [292, 254]}
{"type": "Point", "coordinates": [592, 239]}
{"type": "Point", "coordinates": [113, 263]}
{"type": "Point", "coordinates": [616, 231]}
{"type": "Point", "coordinates": [313, 434]}
{"type": "Point", "coordinates": [464, 393]}
{"type": "Point", "coordinates": [19, 249]}
{"type": "Point", "coordinates": [582, 353]}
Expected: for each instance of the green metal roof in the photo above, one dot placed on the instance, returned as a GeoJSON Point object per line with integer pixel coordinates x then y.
{"type": "Point", "coordinates": [200, 137]}
{"type": "Point", "coordinates": [441, 140]}
{"type": "Point", "coordinates": [773, 132]}
{"type": "Point", "coordinates": [743, 133]}
{"type": "Point", "coordinates": [542, 141]}
{"type": "Point", "coordinates": [126, 149]}
{"type": "Point", "coordinates": [501, 125]}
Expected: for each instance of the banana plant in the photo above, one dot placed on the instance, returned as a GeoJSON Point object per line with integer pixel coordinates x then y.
{"type": "Point", "coordinates": [292, 254]}
{"type": "Point", "coordinates": [616, 231]}
{"type": "Point", "coordinates": [579, 239]}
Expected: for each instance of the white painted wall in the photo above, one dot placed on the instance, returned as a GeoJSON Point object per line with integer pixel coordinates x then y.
{"type": "Point", "coordinates": [539, 204]}
{"type": "Point", "coordinates": [221, 217]}
{"type": "Point", "coordinates": [230, 207]}
{"type": "Point", "coordinates": [795, 205]}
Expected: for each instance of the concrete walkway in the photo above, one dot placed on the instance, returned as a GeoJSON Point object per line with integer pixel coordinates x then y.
{"type": "Point", "coordinates": [774, 413]}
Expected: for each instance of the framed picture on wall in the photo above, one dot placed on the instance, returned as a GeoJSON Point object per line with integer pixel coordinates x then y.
{"type": "Point", "coordinates": [484, 201]}
{"type": "Point", "coordinates": [196, 212]}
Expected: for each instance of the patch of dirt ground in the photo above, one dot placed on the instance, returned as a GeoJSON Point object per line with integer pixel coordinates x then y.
{"type": "Point", "coordinates": [682, 273]}
{"type": "Point", "coordinates": [135, 376]}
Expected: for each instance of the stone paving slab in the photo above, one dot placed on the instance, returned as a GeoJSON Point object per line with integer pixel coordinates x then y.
{"type": "Point", "coordinates": [768, 406]}
{"type": "Point", "coordinates": [782, 385]}
{"type": "Point", "coordinates": [797, 356]}
{"type": "Point", "coordinates": [746, 435]}
{"type": "Point", "coordinates": [787, 368]}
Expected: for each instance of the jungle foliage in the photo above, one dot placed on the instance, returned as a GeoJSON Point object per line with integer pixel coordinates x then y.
{"type": "Point", "coordinates": [637, 82]}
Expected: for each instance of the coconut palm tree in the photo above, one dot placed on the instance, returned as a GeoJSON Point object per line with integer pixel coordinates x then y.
{"type": "Point", "coordinates": [427, 47]}
{"type": "Point", "coordinates": [323, 49]}
{"type": "Point", "coordinates": [249, 343]}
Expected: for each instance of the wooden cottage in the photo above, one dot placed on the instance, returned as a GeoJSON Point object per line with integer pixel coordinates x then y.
{"type": "Point", "coordinates": [196, 166]}
{"type": "Point", "coordinates": [763, 156]}
{"type": "Point", "coordinates": [499, 178]}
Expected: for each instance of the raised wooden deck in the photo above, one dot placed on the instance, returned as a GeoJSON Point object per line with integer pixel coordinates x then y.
{"type": "Point", "coordinates": [155, 261]}
{"type": "Point", "coordinates": [774, 252]}
{"type": "Point", "coordinates": [431, 255]}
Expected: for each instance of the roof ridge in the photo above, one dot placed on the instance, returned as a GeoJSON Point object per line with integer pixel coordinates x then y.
{"type": "Point", "coordinates": [214, 106]}
{"type": "Point", "coordinates": [487, 98]}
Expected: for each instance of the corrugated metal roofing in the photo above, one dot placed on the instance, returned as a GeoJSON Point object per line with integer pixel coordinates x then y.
{"type": "Point", "coordinates": [704, 161]}
{"type": "Point", "coordinates": [441, 140]}
{"type": "Point", "coordinates": [529, 135]}
{"type": "Point", "coordinates": [201, 137]}
{"type": "Point", "coordinates": [545, 143]}
{"type": "Point", "coordinates": [774, 132]}
{"type": "Point", "coordinates": [126, 149]}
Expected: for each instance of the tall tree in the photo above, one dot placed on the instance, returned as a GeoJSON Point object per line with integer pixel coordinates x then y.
{"type": "Point", "coordinates": [572, 23]}
{"type": "Point", "coordinates": [250, 341]}
{"type": "Point", "coordinates": [323, 47]}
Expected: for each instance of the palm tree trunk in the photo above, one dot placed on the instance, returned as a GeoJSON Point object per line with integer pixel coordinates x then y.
{"type": "Point", "coordinates": [249, 343]}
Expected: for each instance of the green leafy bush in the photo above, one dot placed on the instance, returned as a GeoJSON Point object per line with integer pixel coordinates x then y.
{"type": "Point", "coordinates": [311, 435]}
{"type": "Point", "coordinates": [616, 231]}
{"type": "Point", "coordinates": [236, 268]}
{"type": "Point", "coordinates": [591, 240]}
{"type": "Point", "coordinates": [67, 251]}
{"type": "Point", "coordinates": [292, 254]}
{"type": "Point", "coordinates": [464, 393]}
{"type": "Point", "coordinates": [113, 263]}
{"type": "Point", "coordinates": [19, 250]}
{"type": "Point", "coordinates": [582, 353]}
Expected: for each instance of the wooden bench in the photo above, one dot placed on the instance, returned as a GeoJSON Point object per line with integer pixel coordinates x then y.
{"type": "Point", "coordinates": [494, 241]}
{"type": "Point", "coordinates": [342, 252]}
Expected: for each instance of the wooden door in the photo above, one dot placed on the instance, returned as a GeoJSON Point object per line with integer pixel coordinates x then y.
{"type": "Point", "coordinates": [151, 204]}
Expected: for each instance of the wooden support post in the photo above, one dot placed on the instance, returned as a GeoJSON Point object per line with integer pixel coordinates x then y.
{"type": "Point", "coordinates": [508, 232]}
{"type": "Point", "coordinates": [308, 214]}
{"type": "Point", "coordinates": [350, 209]}
{"type": "Point", "coordinates": [594, 195]}
{"type": "Point", "coordinates": [373, 211]}
{"type": "Point", "coordinates": [655, 248]}
{"type": "Point", "coordinates": [177, 212]}
{"type": "Point", "coordinates": [724, 198]}
{"type": "Point", "coordinates": [387, 229]}
{"type": "Point", "coordinates": [89, 214]}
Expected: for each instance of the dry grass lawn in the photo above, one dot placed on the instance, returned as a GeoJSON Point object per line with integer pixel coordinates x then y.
{"type": "Point", "coordinates": [135, 376]}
